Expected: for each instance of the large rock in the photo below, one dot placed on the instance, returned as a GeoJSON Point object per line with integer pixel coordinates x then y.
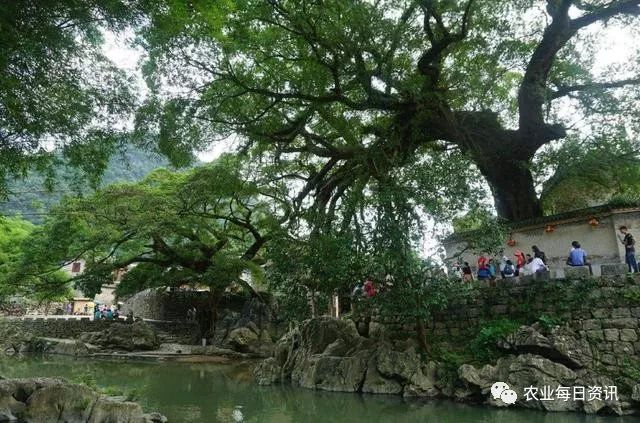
{"type": "Point", "coordinates": [327, 373]}
{"type": "Point", "coordinates": [44, 400]}
{"type": "Point", "coordinates": [528, 371]}
{"type": "Point", "coordinates": [66, 346]}
{"type": "Point", "coordinates": [375, 383]}
{"type": "Point", "coordinates": [267, 372]}
{"type": "Point", "coordinates": [329, 354]}
{"type": "Point", "coordinates": [560, 345]}
{"type": "Point", "coordinates": [407, 366]}
{"type": "Point", "coordinates": [107, 410]}
{"type": "Point", "coordinates": [120, 336]}
{"type": "Point", "coordinates": [246, 340]}
{"type": "Point", "coordinates": [317, 334]}
{"type": "Point", "coordinates": [60, 402]}
{"type": "Point", "coordinates": [324, 353]}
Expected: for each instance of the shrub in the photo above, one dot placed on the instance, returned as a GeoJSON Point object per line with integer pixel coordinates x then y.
{"type": "Point", "coordinates": [484, 346]}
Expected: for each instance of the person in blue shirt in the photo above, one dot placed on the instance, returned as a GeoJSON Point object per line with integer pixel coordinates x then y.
{"type": "Point", "coordinates": [578, 257]}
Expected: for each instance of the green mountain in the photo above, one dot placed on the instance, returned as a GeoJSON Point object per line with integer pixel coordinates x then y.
{"type": "Point", "coordinates": [30, 197]}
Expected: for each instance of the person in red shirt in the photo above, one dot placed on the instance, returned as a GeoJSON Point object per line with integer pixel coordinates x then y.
{"type": "Point", "coordinates": [520, 261]}
{"type": "Point", "coordinates": [482, 262]}
{"type": "Point", "coordinates": [369, 288]}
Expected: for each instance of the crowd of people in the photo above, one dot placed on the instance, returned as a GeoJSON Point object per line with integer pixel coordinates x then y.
{"type": "Point", "coordinates": [105, 312]}
{"type": "Point", "coordinates": [489, 268]}
{"type": "Point", "coordinates": [536, 262]}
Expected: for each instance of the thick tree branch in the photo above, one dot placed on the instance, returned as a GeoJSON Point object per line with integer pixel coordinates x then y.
{"type": "Point", "coordinates": [628, 7]}
{"type": "Point", "coordinates": [439, 43]}
{"type": "Point", "coordinates": [565, 90]}
{"type": "Point", "coordinates": [532, 94]}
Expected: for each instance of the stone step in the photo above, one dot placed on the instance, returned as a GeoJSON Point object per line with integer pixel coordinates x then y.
{"type": "Point", "coordinates": [614, 269]}
{"type": "Point", "coordinates": [576, 272]}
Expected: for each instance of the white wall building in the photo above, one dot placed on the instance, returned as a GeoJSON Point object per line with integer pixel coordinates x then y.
{"type": "Point", "coordinates": [596, 229]}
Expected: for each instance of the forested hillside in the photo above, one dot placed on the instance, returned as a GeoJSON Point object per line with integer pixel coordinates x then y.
{"type": "Point", "coordinates": [32, 197]}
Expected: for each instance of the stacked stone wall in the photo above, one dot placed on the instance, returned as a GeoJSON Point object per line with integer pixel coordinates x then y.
{"type": "Point", "coordinates": [174, 305]}
{"type": "Point", "coordinates": [605, 311]}
{"type": "Point", "coordinates": [72, 328]}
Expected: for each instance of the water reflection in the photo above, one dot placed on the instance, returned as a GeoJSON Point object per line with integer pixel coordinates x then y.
{"type": "Point", "coordinates": [199, 393]}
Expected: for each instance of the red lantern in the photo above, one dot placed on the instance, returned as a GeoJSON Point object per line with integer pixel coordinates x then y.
{"type": "Point", "coordinates": [549, 228]}
{"type": "Point", "coordinates": [594, 222]}
{"type": "Point", "coordinates": [511, 242]}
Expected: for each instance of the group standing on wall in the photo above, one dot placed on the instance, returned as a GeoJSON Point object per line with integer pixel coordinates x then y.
{"type": "Point", "coordinates": [536, 263]}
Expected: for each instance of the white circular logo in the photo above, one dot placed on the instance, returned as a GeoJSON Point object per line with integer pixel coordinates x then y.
{"type": "Point", "coordinates": [501, 390]}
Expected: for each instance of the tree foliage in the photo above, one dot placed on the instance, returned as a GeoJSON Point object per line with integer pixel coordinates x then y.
{"type": "Point", "coordinates": [340, 93]}
{"type": "Point", "coordinates": [202, 228]}
{"type": "Point", "coordinates": [57, 89]}
{"type": "Point", "coordinates": [590, 172]}
{"type": "Point", "coordinates": [15, 234]}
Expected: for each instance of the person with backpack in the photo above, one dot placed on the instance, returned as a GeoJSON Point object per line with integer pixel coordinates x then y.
{"type": "Point", "coordinates": [629, 249]}
{"type": "Point", "coordinates": [509, 270]}
{"type": "Point", "coordinates": [483, 273]}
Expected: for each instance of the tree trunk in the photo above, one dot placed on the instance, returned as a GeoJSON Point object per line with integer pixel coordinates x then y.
{"type": "Point", "coordinates": [208, 317]}
{"type": "Point", "coordinates": [312, 302]}
{"type": "Point", "coordinates": [421, 332]}
{"type": "Point", "coordinates": [511, 183]}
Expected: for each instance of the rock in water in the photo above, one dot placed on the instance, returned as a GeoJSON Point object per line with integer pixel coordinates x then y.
{"type": "Point", "coordinates": [119, 336]}
{"type": "Point", "coordinates": [330, 355]}
{"type": "Point", "coordinates": [530, 370]}
{"type": "Point", "coordinates": [559, 345]}
{"type": "Point", "coordinates": [246, 340]}
{"type": "Point", "coordinates": [45, 400]}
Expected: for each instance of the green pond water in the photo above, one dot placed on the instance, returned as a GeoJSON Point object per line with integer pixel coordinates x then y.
{"type": "Point", "coordinates": [187, 392]}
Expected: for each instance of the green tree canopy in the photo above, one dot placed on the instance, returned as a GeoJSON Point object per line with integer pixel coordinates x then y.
{"type": "Point", "coordinates": [203, 228]}
{"type": "Point", "coordinates": [339, 92]}
{"type": "Point", "coordinates": [15, 234]}
{"type": "Point", "coordinates": [57, 89]}
{"type": "Point", "coordinates": [590, 172]}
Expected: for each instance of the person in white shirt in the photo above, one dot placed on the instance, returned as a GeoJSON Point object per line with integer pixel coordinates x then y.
{"type": "Point", "coordinates": [537, 265]}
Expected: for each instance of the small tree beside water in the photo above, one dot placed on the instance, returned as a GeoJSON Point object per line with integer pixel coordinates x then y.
{"type": "Point", "coordinates": [203, 229]}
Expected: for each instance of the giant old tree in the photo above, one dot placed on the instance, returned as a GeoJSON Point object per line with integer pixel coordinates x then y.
{"type": "Point", "coordinates": [339, 93]}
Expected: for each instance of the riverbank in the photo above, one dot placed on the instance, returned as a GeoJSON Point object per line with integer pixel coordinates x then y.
{"type": "Point", "coordinates": [559, 336]}
{"type": "Point", "coordinates": [211, 392]}
{"type": "Point", "coordinates": [139, 340]}
{"type": "Point", "coordinates": [329, 355]}
{"type": "Point", "coordinates": [560, 345]}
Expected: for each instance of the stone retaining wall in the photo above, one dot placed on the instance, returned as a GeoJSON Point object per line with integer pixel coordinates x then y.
{"type": "Point", "coordinates": [72, 328]}
{"type": "Point", "coordinates": [174, 305]}
{"type": "Point", "coordinates": [604, 311]}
